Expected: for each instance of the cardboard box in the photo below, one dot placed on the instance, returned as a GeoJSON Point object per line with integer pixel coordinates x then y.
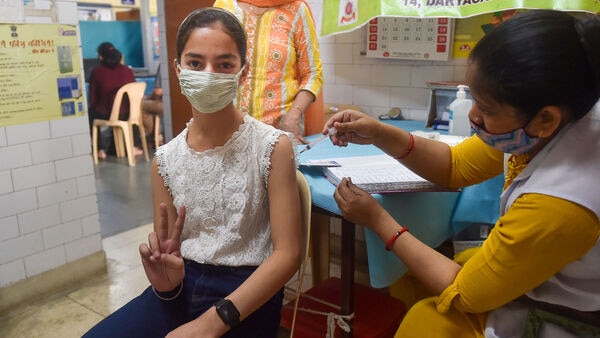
{"type": "Point", "coordinates": [441, 94]}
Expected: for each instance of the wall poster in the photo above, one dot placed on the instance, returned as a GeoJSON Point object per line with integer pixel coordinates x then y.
{"type": "Point", "coordinates": [40, 73]}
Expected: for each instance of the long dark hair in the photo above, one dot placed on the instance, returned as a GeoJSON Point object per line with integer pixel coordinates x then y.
{"type": "Point", "coordinates": [540, 58]}
{"type": "Point", "coordinates": [206, 17]}
{"type": "Point", "coordinates": [112, 58]}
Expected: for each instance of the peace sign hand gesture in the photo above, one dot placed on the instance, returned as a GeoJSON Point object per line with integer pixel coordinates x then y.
{"type": "Point", "coordinates": [162, 260]}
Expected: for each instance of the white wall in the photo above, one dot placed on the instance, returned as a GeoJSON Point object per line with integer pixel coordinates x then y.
{"type": "Point", "coordinates": [376, 85]}
{"type": "Point", "coordinates": [48, 206]}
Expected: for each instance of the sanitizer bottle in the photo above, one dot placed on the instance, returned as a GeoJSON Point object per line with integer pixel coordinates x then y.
{"type": "Point", "coordinates": [459, 113]}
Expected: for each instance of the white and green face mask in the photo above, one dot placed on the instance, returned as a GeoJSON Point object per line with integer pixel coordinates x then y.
{"type": "Point", "coordinates": [208, 92]}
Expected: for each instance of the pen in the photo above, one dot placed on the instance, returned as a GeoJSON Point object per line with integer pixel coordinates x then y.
{"type": "Point", "coordinates": [331, 132]}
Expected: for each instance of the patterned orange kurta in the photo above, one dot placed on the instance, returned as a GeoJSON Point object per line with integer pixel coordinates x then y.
{"type": "Point", "coordinates": [283, 58]}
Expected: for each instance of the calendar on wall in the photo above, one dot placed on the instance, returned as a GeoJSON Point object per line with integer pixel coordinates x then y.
{"type": "Point", "coordinates": [410, 38]}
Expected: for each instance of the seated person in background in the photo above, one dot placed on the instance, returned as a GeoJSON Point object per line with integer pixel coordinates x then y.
{"type": "Point", "coordinates": [284, 63]}
{"type": "Point", "coordinates": [227, 224]}
{"type": "Point", "coordinates": [152, 105]}
{"type": "Point", "coordinates": [105, 80]}
{"type": "Point", "coordinates": [535, 81]}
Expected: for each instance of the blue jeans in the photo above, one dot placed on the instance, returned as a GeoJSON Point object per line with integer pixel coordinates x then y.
{"type": "Point", "coordinates": [148, 316]}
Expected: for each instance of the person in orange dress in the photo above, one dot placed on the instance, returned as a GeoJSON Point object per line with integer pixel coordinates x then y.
{"type": "Point", "coordinates": [285, 72]}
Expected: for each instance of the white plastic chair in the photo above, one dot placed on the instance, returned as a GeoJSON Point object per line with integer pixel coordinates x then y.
{"type": "Point", "coordinates": [305, 211]}
{"type": "Point", "coordinates": [123, 130]}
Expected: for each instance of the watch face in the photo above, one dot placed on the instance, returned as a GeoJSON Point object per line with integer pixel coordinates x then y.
{"type": "Point", "coordinates": [228, 312]}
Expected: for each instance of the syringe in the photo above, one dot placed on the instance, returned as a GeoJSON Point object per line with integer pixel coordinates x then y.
{"type": "Point", "coordinates": [331, 132]}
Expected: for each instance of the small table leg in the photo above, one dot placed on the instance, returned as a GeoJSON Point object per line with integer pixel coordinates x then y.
{"type": "Point", "coordinates": [320, 247]}
{"type": "Point", "coordinates": [347, 273]}
{"type": "Point", "coordinates": [320, 258]}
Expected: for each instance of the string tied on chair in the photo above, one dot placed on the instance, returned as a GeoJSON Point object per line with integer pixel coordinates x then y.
{"type": "Point", "coordinates": [333, 319]}
{"type": "Point", "coordinates": [339, 320]}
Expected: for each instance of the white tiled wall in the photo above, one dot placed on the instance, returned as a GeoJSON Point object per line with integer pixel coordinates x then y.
{"type": "Point", "coordinates": [376, 85]}
{"type": "Point", "coordinates": [48, 207]}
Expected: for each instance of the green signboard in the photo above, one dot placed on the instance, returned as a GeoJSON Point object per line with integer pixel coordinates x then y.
{"type": "Point", "coordinates": [345, 15]}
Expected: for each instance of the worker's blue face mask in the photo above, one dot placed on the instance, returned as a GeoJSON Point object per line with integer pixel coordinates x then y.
{"type": "Point", "coordinates": [208, 92]}
{"type": "Point", "coordinates": [515, 142]}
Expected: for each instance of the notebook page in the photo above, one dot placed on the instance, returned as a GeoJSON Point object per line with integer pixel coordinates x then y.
{"type": "Point", "coordinates": [379, 173]}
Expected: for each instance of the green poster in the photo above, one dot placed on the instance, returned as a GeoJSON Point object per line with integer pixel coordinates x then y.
{"type": "Point", "coordinates": [345, 15]}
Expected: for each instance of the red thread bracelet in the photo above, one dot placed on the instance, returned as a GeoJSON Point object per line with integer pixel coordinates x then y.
{"type": "Point", "coordinates": [411, 145]}
{"type": "Point", "coordinates": [390, 242]}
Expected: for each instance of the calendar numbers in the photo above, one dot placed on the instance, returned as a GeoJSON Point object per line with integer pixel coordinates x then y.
{"type": "Point", "coordinates": [410, 38]}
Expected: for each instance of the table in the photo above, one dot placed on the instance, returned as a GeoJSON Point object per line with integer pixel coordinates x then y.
{"type": "Point", "coordinates": [427, 214]}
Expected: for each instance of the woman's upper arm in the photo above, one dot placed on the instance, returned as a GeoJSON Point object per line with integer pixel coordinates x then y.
{"type": "Point", "coordinates": [537, 238]}
{"type": "Point", "coordinates": [160, 194]}
{"type": "Point", "coordinates": [131, 75]}
{"type": "Point", "coordinates": [310, 72]}
{"type": "Point", "coordinates": [284, 202]}
{"type": "Point", "coordinates": [474, 162]}
{"type": "Point", "coordinates": [92, 92]}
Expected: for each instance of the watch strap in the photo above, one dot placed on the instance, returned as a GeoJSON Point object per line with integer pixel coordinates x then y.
{"type": "Point", "coordinates": [228, 313]}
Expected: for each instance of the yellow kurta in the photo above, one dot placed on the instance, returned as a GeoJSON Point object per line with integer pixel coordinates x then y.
{"type": "Point", "coordinates": [535, 239]}
{"type": "Point", "coordinates": [283, 58]}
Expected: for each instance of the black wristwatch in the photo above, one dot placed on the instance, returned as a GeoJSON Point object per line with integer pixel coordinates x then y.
{"type": "Point", "coordinates": [228, 312]}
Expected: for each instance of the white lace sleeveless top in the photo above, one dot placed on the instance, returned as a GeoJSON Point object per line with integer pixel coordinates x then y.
{"type": "Point", "coordinates": [224, 190]}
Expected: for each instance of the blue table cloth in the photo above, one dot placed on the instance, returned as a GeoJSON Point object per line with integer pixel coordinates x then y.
{"type": "Point", "coordinates": [428, 215]}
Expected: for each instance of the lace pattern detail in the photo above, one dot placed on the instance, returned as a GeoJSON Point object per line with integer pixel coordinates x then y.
{"type": "Point", "coordinates": [224, 190]}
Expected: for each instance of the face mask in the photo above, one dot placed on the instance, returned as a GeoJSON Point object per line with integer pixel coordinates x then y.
{"type": "Point", "coordinates": [515, 142]}
{"type": "Point", "coordinates": [208, 92]}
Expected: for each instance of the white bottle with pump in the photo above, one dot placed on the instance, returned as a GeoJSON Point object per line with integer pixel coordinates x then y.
{"type": "Point", "coordinates": [459, 113]}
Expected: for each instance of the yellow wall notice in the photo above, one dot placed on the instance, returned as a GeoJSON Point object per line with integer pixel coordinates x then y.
{"type": "Point", "coordinates": [40, 73]}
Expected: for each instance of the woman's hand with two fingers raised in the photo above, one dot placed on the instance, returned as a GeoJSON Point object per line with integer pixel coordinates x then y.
{"type": "Point", "coordinates": [161, 257]}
